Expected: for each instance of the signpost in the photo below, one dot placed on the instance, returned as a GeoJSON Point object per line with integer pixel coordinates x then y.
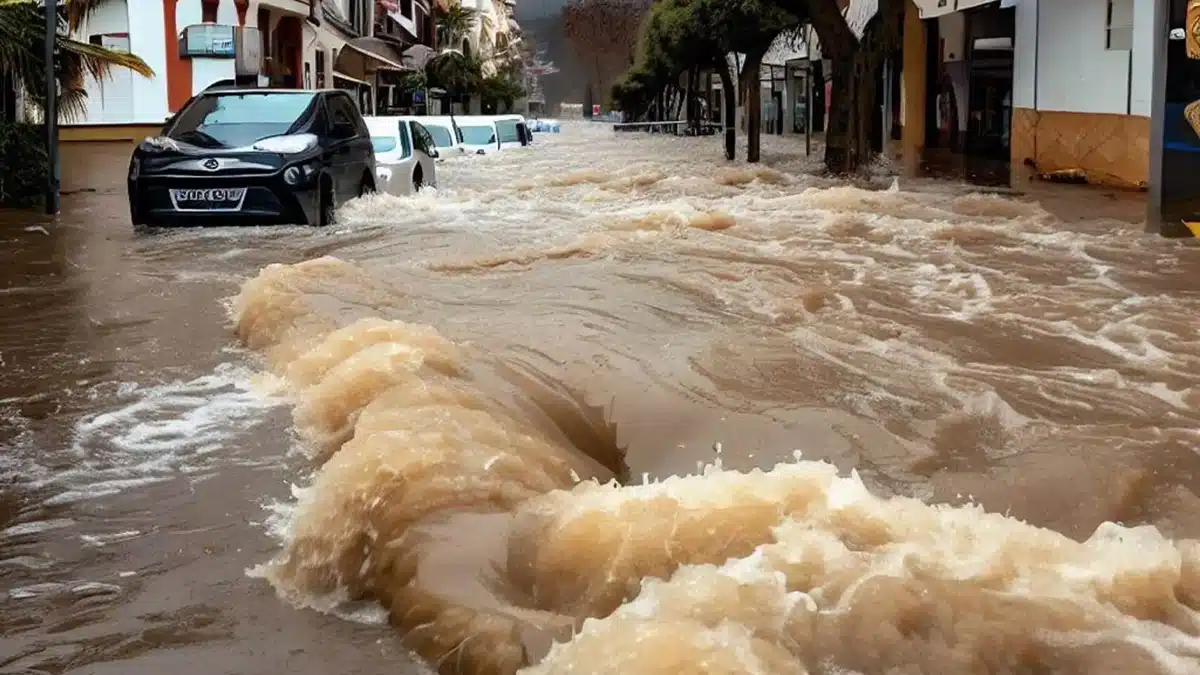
{"type": "Point", "coordinates": [50, 110]}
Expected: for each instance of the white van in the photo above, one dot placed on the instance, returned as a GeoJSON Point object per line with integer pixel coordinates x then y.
{"type": "Point", "coordinates": [478, 134]}
{"type": "Point", "coordinates": [512, 131]}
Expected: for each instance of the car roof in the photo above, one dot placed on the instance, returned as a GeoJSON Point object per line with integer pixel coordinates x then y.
{"type": "Point", "coordinates": [383, 123]}
{"type": "Point", "coordinates": [269, 90]}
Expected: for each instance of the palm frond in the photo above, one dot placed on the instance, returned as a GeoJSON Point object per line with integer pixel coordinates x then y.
{"type": "Point", "coordinates": [98, 61]}
{"type": "Point", "coordinates": [72, 104]}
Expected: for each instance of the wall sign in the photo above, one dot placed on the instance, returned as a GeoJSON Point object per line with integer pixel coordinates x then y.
{"type": "Point", "coordinates": [207, 40]}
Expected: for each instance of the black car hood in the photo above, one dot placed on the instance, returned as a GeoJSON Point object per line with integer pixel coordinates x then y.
{"type": "Point", "coordinates": [176, 157]}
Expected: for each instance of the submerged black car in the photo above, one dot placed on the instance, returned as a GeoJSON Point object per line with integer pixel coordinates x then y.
{"type": "Point", "coordinates": [253, 156]}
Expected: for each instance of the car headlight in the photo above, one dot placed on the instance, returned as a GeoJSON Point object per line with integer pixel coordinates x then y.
{"type": "Point", "coordinates": [286, 145]}
{"type": "Point", "coordinates": [300, 173]}
{"type": "Point", "coordinates": [157, 144]}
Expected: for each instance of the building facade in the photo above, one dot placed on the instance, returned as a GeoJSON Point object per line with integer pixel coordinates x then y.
{"type": "Point", "coordinates": [1082, 88]}
{"type": "Point", "coordinates": [1043, 85]}
{"type": "Point", "coordinates": [195, 44]}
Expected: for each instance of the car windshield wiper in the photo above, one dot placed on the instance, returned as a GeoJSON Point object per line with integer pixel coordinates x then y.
{"type": "Point", "coordinates": [200, 139]}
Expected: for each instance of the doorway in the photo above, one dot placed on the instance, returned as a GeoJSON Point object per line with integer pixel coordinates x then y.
{"type": "Point", "coordinates": [990, 32]}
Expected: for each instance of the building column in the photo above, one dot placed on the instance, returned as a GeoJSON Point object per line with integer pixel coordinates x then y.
{"type": "Point", "coordinates": [1173, 209]}
{"type": "Point", "coordinates": [913, 81]}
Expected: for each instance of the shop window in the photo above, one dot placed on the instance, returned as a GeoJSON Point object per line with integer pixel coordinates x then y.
{"type": "Point", "coordinates": [1119, 26]}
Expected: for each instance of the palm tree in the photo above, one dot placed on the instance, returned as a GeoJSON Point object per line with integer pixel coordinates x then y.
{"type": "Point", "coordinates": [22, 49]}
{"type": "Point", "coordinates": [454, 23]}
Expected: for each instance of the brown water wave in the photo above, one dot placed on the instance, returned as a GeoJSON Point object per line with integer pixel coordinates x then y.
{"type": "Point", "coordinates": [487, 509]}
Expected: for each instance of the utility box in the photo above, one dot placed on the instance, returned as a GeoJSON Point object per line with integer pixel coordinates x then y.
{"type": "Point", "coordinates": [248, 52]}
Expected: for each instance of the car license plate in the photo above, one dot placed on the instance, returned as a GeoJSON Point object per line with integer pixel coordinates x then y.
{"type": "Point", "coordinates": [208, 199]}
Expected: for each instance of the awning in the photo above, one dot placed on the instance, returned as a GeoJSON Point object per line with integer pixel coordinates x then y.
{"type": "Point", "coordinates": [931, 9]}
{"type": "Point", "coordinates": [343, 76]}
{"type": "Point", "coordinates": [416, 56]}
{"type": "Point", "coordinates": [385, 56]}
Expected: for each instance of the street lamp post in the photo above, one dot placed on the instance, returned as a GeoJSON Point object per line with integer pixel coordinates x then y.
{"type": "Point", "coordinates": [50, 110]}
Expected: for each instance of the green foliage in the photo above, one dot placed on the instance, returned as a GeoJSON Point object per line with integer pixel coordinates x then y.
{"type": "Point", "coordinates": [410, 82]}
{"type": "Point", "coordinates": [679, 35]}
{"type": "Point", "coordinates": [455, 22]}
{"type": "Point", "coordinates": [22, 164]}
{"type": "Point", "coordinates": [500, 89]}
{"type": "Point", "coordinates": [460, 76]}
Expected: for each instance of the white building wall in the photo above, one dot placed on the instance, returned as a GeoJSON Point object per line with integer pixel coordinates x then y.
{"type": "Point", "coordinates": [146, 40]}
{"type": "Point", "coordinates": [128, 98]}
{"type": "Point", "coordinates": [1061, 63]}
{"type": "Point", "coordinates": [1143, 57]}
{"type": "Point", "coordinates": [1025, 58]}
{"type": "Point", "coordinates": [112, 100]}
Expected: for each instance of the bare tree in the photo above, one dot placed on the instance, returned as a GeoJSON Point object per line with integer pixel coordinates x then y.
{"type": "Point", "coordinates": [604, 34]}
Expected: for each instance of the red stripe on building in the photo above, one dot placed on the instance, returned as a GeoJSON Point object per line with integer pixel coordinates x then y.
{"type": "Point", "coordinates": [179, 70]}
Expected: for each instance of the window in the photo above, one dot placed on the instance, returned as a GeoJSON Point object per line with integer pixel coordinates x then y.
{"type": "Point", "coordinates": [1119, 27]}
{"type": "Point", "coordinates": [239, 120]}
{"type": "Point", "coordinates": [508, 131]}
{"type": "Point", "coordinates": [405, 143]}
{"type": "Point", "coordinates": [441, 136]}
{"type": "Point", "coordinates": [406, 8]}
{"type": "Point", "coordinates": [341, 114]}
{"type": "Point", "coordinates": [475, 135]}
{"type": "Point", "coordinates": [208, 11]}
{"type": "Point", "coordinates": [422, 140]}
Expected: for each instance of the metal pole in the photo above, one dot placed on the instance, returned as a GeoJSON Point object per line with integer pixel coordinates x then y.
{"type": "Point", "coordinates": [50, 110]}
{"type": "Point", "coordinates": [1158, 115]}
{"type": "Point", "coordinates": [808, 93]}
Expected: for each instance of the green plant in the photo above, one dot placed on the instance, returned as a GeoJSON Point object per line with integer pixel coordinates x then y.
{"type": "Point", "coordinates": [23, 157]}
{"type": "Point", "coordinates": [459, 76]}
{"type": "Point", "coordinates": [500, 88]}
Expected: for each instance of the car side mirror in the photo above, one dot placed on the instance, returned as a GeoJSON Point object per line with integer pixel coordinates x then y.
{"type": "Point", "coordinates": [433, 152]}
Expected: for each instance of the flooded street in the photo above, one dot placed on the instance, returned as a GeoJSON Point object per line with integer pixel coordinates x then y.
{"type": "Point", "coordinates": [206, 434]}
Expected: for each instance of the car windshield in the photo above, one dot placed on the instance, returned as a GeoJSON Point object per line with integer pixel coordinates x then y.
{"type": "Point", "coordinates": [441, 136]}
{"type": "Point", "coordinates": [508, 131]}
{"type": "Point", "coordinates": [384, 143]}
{"type": "Point", "coordinates": [478, 135]}
{"type": "Point", "coordinates": [235, 120]}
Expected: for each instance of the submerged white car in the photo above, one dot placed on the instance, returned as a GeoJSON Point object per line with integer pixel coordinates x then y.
{"type": "Point", "coordinates": [445, 132]}
{"type": "Point", "coordinates": [512, 131]}
{"type": "Point", "coordinates": [478, 134]}
{"type": "Point", "coordinates": [404, 155]}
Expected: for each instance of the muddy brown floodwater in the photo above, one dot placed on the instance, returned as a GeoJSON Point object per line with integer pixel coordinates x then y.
{"type": "Point", "coordinates": [606, 405]}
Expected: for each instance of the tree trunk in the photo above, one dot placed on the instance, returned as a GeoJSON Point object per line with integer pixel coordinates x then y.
{"type": "Point", "coordinates": [729, 101]}
{"type": "Point", "coordinates": [751, 81]}
{"type": "Point", "coordinates": [854, 78]}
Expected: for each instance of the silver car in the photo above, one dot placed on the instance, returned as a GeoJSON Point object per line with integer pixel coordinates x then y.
{"type": "Point", "coordinates": [404, 155]}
